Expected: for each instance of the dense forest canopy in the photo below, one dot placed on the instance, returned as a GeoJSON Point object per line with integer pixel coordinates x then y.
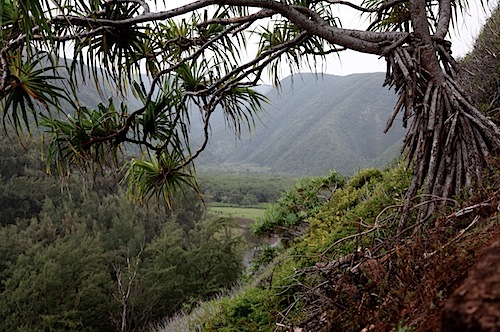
{"type": "Point", "coordinates": [77, 255]}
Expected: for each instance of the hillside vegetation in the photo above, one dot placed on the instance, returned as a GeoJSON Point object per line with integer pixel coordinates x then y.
{"type": "Point", "coordinates": [312, 124]}
{"type": "Point", "coordinates": [76, 255]}
{"type": "Point", "coordinates": [345, 268]}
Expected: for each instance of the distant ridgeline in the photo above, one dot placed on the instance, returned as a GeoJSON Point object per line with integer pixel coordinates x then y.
{"type": "Point", "coordinates": [313, 124]}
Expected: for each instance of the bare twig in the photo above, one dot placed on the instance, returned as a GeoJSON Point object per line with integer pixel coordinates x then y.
{"type": "Point", "coordinates": [459, 235]}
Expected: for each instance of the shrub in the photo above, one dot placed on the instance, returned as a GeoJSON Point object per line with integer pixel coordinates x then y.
{"type": "Point", "coordinates": [297, 204]}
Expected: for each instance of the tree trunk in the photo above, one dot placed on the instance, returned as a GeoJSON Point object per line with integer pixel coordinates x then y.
{"type": "Point", "coordinates": [448, 141]}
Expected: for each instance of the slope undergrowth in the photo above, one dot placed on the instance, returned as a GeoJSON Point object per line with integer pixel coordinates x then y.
{"type": "Point", "coordinates": [273, 295]}
{"type": "Point", "coordinates": [352, 270]}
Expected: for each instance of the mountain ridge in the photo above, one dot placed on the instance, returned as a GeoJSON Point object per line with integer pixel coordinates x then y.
{"type": "Point", "coordinates": [313, 124]}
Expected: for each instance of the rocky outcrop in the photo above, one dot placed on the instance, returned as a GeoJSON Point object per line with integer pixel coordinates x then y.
{"type": "Point", "coordinates": [475, 305]}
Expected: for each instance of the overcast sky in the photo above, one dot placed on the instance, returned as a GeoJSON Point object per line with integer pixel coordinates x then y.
{"type": "Point", "coordinates": [462, 37]}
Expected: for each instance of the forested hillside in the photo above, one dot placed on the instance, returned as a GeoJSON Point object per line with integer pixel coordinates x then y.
{"type": "Point", "coordinates": [313, 124]}
{"type": "Point", "coordinates": [310, 125]}
{"type": "Point", "coordinates": [77, 255]}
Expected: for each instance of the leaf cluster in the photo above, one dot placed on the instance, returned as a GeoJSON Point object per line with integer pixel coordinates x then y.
{"type": "Point", "coordinates": [358, 204]}
{"type": "Point", "coordinates": [191, 73]}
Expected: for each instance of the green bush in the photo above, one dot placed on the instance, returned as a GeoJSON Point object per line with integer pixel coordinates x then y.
{"type": "Point", "coordinates": [248, 311]}
{"type": "Point", "coordinates": [359, 203]}
{"type": "Point", "coordinates": [297, 204]}
{"type": "Point", "coordinates": [264, 256]}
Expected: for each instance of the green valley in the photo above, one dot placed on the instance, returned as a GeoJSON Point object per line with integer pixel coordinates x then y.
{"type": "Point", "coordinates": [193, 198]}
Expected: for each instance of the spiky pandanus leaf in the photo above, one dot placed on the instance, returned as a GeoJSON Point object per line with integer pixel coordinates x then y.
{"type": "Point", "coordinates": [30, 89]}
{"type": "Point", "coordinates": [116, 52]}
{"type": "Point", "coordinates": [239, 105]}
{"type": "Point", "coordinates": [162, 176]}
{"type": "Point", "coordinates": [77, 140]}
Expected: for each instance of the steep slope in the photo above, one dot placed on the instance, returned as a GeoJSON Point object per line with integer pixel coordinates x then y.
{"type": "Point", "coordinates": [315, 124]}
{"type": "Point", "coordinates": [481, 69]}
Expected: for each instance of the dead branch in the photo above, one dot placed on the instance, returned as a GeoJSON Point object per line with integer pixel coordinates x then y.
{"type": "Point", "coordinates": [459, 235]}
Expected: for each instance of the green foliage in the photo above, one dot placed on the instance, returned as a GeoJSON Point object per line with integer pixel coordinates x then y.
{"type": "Point", "coordinates": [163, 176]}
{"type": "Point", "coordinates": [23, 184]}
{"type": "Point", "coordinates": [360, 179]}
{"type": "Point", "coordinates": [190, 70]}
{"type": "Point", "coordinates": [398, 18]}
{"type": "Point", "coordinates": [116, 46]}
{"type": "Point", "coordinates": [77, 259]}
{"type": "Point", "coordinates": [57, 286]}
{"type": "Point", "coordinates": [61, 256]}
{"type": "Point", "coordinates": [358, 203]}
{"type": "Point", "coordinates": [248, 310]}
{"type": "Point", "coordinates": [404, 328]}
{"type": "Point", "coordinates": [71, 135]}
{"type": "Point", "coordinates": [194, 70]}
{"type": "Point", "coordinates": [280, 279]}
{"type": "Point", "coordinates": [265, 255]}
{"type": "Point", "coordinates": [181, 270]}
{"type": "Point", "coordinates": [391, 18]}
{"type": "Point", "coordinates": [296, 205]}
{"type": "Point", "coordinates": [24, 18]}
{"type": "Point", "coordinates": [304, 54]}
{"type": "Point", "coordinates": [242, 189]}
{"type": "Point", "coordinates": [30, 87]}
{"type": "Point", "coordinates": [249, 214]}
{"type": "Point", "coordinates": [480, 69]}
